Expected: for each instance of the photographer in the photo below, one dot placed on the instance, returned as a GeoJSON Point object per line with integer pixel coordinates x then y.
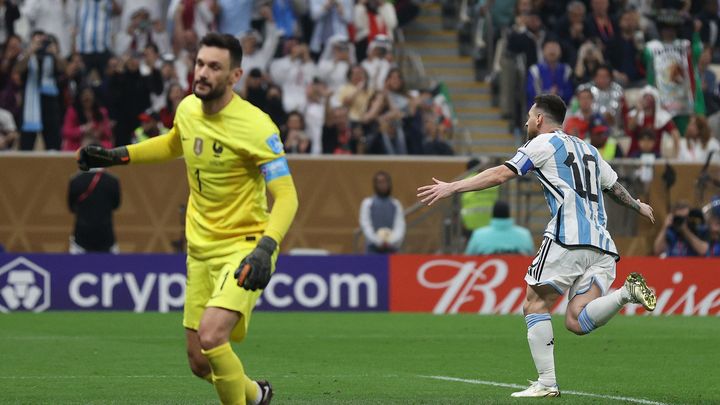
{"type": "Point", "coordinates": [712, 212]}
{"type": "Point", "coordinates": [679, 235]}
{"type": "Point", "coordinates": [41, 67]}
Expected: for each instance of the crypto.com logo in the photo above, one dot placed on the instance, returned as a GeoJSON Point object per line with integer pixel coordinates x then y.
{"type": "Point", "coordinates": [24, 286]}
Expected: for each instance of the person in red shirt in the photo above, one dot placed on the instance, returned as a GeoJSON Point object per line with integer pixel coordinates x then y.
{"type": "Point", "coordinates": [86, 122]}
{"type": "Point", "coordinates": [649, 114]}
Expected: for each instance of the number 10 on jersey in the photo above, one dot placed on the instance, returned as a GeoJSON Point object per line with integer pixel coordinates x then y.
{"type": "Point", "coordinates": [585, 191]}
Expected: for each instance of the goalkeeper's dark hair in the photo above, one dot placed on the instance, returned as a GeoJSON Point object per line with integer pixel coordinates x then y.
{"type": "Point", "coordinates": [553, 106]}
{"type": "Point", "coordinates": [225, 41]}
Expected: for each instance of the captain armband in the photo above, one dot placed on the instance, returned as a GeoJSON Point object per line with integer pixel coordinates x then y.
{"type": "Point", "coordinates": [275, 169]}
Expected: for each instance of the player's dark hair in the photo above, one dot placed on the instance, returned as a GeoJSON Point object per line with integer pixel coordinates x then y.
{"type": "Point", "coordinates": [552, 105]}
{"type": "Point", "coordinates": [225, 41]}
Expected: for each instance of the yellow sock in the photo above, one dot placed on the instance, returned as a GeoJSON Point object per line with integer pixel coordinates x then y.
{"type": "Point", "coordinates": [228, 374]}
{"type": "Point", "coordinates": [251, 391]}
{"type": "Point", "coordinates": [208, 378]}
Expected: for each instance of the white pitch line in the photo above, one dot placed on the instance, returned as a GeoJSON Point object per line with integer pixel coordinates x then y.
{"type": "Point", "coordinates": [505, 385]}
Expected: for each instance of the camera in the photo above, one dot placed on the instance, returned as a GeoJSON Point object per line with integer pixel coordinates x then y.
{"type": "Point", "coordinates": [678, 222]}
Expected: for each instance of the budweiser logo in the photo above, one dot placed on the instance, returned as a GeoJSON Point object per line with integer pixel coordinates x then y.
{"type": "Point", "coordinates": [470, 286]}
{"type": "Point", "coordinates": [496, 286]}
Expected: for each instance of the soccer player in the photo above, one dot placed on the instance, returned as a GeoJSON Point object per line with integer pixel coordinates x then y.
{"type": "Point", "coordinates": [577, 254]}
{"type": "Point", "coordinates": [232, 152]}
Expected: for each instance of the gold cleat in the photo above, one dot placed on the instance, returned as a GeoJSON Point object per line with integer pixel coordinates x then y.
{"type": "Point", "coordinates": [641, 294]}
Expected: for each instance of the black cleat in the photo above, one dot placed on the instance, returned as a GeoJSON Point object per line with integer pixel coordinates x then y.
{"type": "Point", "coordinates": [267, 392]}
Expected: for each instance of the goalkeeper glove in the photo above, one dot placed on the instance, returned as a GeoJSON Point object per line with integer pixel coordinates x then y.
{"type": "Point", "coordinates": [96, 156]}
{"type": "Point", "coordinates": [255, 270]}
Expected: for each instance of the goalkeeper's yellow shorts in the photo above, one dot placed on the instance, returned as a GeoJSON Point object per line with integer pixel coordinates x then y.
{"type": "Point", "coordinates": [212, 283]}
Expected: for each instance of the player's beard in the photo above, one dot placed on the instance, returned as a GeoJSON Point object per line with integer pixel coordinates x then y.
{"type": "Point", "coordinates": [215, 91]}
{"type": "Point", "coordinates": [532, 133]}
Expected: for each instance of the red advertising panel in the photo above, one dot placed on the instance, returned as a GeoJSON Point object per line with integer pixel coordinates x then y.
{"type": "Point", "coordinates": [495, 284]}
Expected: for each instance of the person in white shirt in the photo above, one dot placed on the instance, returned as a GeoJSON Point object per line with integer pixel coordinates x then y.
{"type": "Point", "coordinates": [54, 17]}
{"type": "Point", "coordinates": [335, 61]}
{"type": "Point", "coordinates": [130, 7]}
{"type": "Point", "coordinates": [293, 73]}
{"type": "Point", "coordinates": [331, 17]}
{"type": "Point", "coordinates": [204, 13]}
{"type": "Point", "coordinates": [377, 65]}
{"type": "Point", "coordinates": [372, 18]}
{"type": "Point", "coordinates": [314, 114]}
{"type": "Point", "coordinates": [697, 144]}
{"type": "Point", "coordinates": [140, 32]}
{"type": "Point", "coordinates": [254, 57]}
{"type": "Point", "coordinates": [382, 218]}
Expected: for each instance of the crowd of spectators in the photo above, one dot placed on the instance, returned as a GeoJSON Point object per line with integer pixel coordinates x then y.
{"type": "Point", "coordinates": [627, 69]}
{"type": "Point", "coordinates": [112, 72]}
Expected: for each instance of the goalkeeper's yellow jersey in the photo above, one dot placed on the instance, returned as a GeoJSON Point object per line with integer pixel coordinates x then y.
{"type": "Point", "coordinates": [228, 156]}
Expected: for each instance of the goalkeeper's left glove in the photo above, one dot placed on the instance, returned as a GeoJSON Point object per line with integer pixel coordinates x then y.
{"type": "Point", "coordinates": [255, 270]}
{"type": "Point", "coordinates": [96, 156]}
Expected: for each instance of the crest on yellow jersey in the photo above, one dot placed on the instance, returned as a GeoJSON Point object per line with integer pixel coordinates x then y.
{"type": "Point", "coordinates": [217, 148]}
{"type": "Point", "coordinates": [197, 148]}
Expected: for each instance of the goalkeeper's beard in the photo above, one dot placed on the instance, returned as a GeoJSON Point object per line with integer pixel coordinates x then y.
{"type": "Point", "coordinates": [214, 93]}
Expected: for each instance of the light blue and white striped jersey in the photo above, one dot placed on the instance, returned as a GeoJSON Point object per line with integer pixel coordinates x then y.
{"type": "Point", "coordinates": [573, 176]}
{"type": "Point", "coordinates": [93, 20]}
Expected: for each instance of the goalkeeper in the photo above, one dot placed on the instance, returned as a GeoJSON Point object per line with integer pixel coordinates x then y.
{"type": "Point", "coordinates": [232, 152]}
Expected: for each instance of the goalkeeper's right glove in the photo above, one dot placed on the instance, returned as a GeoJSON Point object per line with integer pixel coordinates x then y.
{"type": "Point", "coordinates": [96, 156]}
{"type": "Point", "coordinates": [255, 270]}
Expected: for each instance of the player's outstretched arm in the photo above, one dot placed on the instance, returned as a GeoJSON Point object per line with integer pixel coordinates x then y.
{"type": "Point", "coordinates": [485, 179]}
{"type": "Point", "coordinates": [158, 149]}
{"type": "Point", "coordinates": [621, 196]}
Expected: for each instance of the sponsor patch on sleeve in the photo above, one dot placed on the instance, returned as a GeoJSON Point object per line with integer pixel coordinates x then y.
{"type": "Point", "coordinates": [274, 169]}
{"type": "Point", "coordinates": [273, 141]}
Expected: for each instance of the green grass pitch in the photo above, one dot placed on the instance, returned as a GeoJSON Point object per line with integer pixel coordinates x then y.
{"type": "Point", "coordinates": [355, 358]}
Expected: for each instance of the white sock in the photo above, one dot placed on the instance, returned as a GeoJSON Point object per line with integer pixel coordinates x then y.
{"type": "Point", "coordinates": [542, 345]}
{"type": "Point", "coordinates": [259, 394]}
{"type": "Point", "coordinates": [599, 311]}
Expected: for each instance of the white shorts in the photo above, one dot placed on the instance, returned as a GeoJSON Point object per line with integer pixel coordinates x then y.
{"type": "Point", "coordinates": [573, 270]}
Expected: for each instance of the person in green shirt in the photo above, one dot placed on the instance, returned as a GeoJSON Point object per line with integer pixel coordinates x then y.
{"type": "Point", "coordinates": [475, 206]}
